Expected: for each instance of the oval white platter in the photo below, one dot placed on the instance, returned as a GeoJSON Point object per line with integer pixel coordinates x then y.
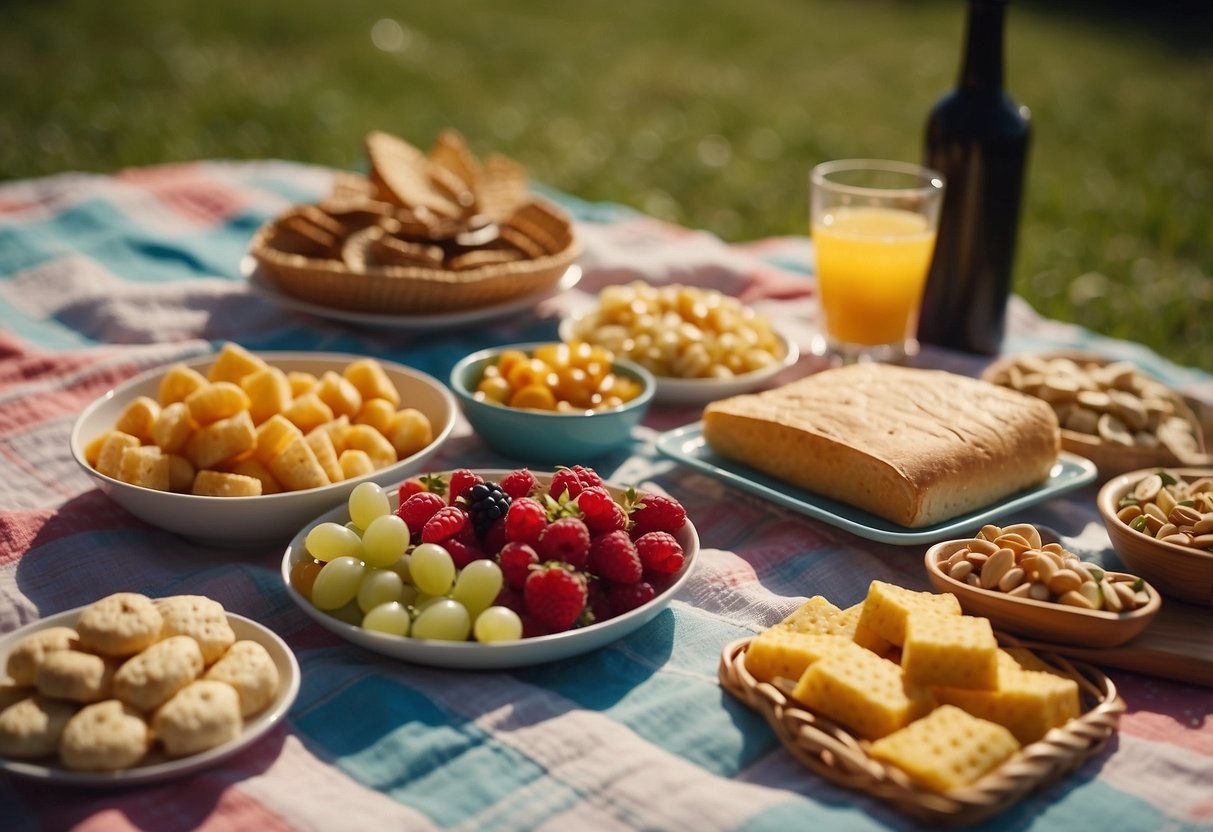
{"type": "Point", "coordinates": [471, 655]}
{"type": "Point", "coordinates": [157, 767]}
{"type": "Point", "coordinates": [692, 391]}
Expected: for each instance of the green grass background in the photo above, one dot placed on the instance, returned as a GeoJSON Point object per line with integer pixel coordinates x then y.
{"type": "Point", "coordinates": [705, 113]}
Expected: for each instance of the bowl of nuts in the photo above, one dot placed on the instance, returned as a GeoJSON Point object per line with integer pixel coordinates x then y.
{"type": "Point", "coordinates": [700, 344]}
{"type": "Point", "coordinates": [1110, 412]}
{"type": "Point", "coordinates": [1160, 522]}
{"type": "Point", "coordinates": [240, 448]}
{"type": "Point", "coordinates": [1032, 586]}
{"type": "Point", "coordinates": [551, 402]}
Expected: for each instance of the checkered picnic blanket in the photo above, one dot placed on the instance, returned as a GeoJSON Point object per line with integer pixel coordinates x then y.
{"type": "Point", "coordinates": [102, 277]}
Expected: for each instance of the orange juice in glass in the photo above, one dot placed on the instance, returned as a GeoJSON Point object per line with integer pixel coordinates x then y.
{"type": "Point", "coordinates": [873, 228]}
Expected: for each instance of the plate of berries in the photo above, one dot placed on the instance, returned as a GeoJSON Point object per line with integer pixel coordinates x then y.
{"type": "Point", "coordinates": [491, 569]}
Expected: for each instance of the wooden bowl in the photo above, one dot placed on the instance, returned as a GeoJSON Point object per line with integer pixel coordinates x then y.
{"type": "Point", "coordinates": [1112, 459]}
{"type": "Point", "coordinates": [1179, 572]}
{"type": "Point", "coordinates": [1043, 620]}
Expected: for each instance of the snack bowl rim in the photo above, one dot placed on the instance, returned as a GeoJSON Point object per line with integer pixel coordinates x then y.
{"type": "Point", "coordinates": [472, 655]}
{"type": "Point", "coordinates": [1043, 620]}
{"type": "Point", "coordinates": [1125, 540]}
{"type": "Point", "coordinates": [237, 521]}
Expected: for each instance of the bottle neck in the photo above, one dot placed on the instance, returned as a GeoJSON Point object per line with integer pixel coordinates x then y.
{"type": "Point", "coordinates": [982, 69]}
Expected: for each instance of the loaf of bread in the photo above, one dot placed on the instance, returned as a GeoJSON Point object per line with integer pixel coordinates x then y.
{"type": "Point", "coordinates": [916, 447]}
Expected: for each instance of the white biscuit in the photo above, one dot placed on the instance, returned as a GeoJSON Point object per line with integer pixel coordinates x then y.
{"type": "Point", "coordinates": [147, 680]}
{"type": "Point", "coordinates": [248, 668]}
{"type": "Point", "coordinates": [10, 694]}
{"type": "Point", "coordinates": [32, 727]}
{"type": "Point", "coordinates": [23, 661]}
{"type": "Point", "coordinates": [204, 714]}
{"type": "Point", "coordinates": [105, 736]}
{"type": "Point", "coordinates": [75, 675]}
{"type": "Point", "coordinates": [201, 618]}
{"type": "Point", "coordinates": [121, 624]}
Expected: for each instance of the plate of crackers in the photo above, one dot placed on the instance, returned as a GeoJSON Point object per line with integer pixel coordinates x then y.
{"type": "Point", "coordinates": [421, 234]}
{"type": "Point", "coordinates": [131, 689]}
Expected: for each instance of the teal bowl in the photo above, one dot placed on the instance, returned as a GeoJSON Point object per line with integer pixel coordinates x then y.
{"type": "Point", "coordinates": [541, 436]}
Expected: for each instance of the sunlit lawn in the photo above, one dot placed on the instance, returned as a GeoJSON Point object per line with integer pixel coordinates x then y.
{"type": "Point", "coordinates": [708, 113]}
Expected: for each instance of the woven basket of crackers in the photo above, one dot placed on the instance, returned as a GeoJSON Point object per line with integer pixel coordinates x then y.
{"type": "Point", "coordinates": [948, 729]}
{"type": "Point", "coordinates": [420, 234]}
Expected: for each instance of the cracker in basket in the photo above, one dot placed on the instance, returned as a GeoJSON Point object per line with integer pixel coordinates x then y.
{"type": "Point", "coordinates": [531, 248]}
{"type": "Point", "coordinates": [353, 187]}
{"type": "Point", "coordinates": [550, 231]}
{"type": "Point", "coordinates": [387, 250]}
{"type": "Point", "coordinates": [355, 215]}
{"type": "Point", "coordinates": [296, 234]}
{"type": "Point", "coordinates": [450, 152]}
{"type": "Point", "coordinates": [946, 749]}
{"type": "Point", "coordinates": [503, 187]}
{"type": "Point", "coordinates": [401, 172]}
{"type": "Point", "coordinates": [484, 257]}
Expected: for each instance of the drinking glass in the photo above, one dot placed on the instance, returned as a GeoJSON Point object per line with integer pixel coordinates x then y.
{"type": "Point", "coordinates": [873, 228]}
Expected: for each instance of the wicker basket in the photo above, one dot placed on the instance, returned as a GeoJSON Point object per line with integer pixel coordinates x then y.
{"type": "Point", "coordinates": [840, 757]}
{"type": "Point", "coordinates": [412, 289]}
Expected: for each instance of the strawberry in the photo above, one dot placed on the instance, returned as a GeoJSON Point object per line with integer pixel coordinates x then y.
{"type": "Point", "coordinates": [659, 553]}
{"type": "Point", "coordinates": [613, 556]}
{"type": "Point", "coordinates": [416, 485]}
{"type": "Point", "coordinates": [600, 511]}
{"type": "Point", "coordinates": [461, 482]}
{"type": "Point", "coordinates": [566, 540]}
{"type": "Point", "coordinates": [656, 513]}
{"type": "Point", "coordinates": [518, 483]}
{"type": "Point", "coordinates": [516, 560]}
{"type": "Point", "coordinates": [555, 597]}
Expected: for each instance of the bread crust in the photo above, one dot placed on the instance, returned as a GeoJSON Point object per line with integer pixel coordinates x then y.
{"type": "Point", "coordinates": [916, 447]}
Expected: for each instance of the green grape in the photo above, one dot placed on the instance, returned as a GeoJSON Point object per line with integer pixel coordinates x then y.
{"type": "Point", "coordinates": [432, 569]}
{"type": "Point", "coordinates": [348, 614]}
{"type": "Point", "coordinates": [391, 618]}
{"type": "Point", "coordinates": [409, 595]}
{"type": "Point", "coordinates": [477, 586]}
{"type": "Point", "coordinates": [385, 540]}
{"type": "Point", "coordinates": [445, 620]}
{"type": "Point", "coordinates": [498, 624]}
{"type": "Point", "coordinates": [328, 541]}
{"type": "Point", "coordinates": [367, 501]}
{"type": "Point", "coordinates": [337, 583]}
{"type": "Point", "coordinates": [378, 587]}
{"type": "Point", "coordinates": [401, 568]}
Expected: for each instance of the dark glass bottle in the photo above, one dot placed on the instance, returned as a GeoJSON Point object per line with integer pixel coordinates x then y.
{"type": "Point", "coordinates": [977, 137]}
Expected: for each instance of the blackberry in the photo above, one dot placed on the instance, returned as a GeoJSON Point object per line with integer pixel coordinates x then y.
{"type": "Point", "coordinates": [487, 503]}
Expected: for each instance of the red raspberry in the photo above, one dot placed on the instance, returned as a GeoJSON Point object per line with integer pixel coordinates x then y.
{"type": "Point", "coordinates": [532, 628]}
{"type": "Point", "coordinates": [512, 598]}
{"type": "Point", "coordinates": [555, 597]}
{"type": "Point", "coordinates": [600, 511]}
{"type": "Point", "coordinates": [418, 508]}
{"type": "Point", "coordinates": [446, 522]}
{"type": "Point", "coordinates": [516, 560]}
{"type": "Point", "coordinates": [656, 513]}
{"type": "Point", "coordinates": [525, 521]}
{"type": "Point", "coordinates": [599, 601]}
{"type": "Point", "coordinates": [518, 483]}
{"type": "Point", "coordinates": [462, 553]}
{"type": "Point", "coordinates": [566, 540]}
{"type": "Point", "coordinates": [573, 480]}
{"type": "Point", "coordinates": [660, 553]}
{"type": "Point", "coordinates": [461, 481]}
{"type": "Point", "coordinates": [613, 556]}
{"type": "Point", "coordinates": [626, 597]}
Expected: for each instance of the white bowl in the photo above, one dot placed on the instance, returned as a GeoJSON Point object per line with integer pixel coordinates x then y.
{"type": "Point", "coordinates": [471, 655]}
{"type": "Point", "coordinates": [271, 518]}
{"type": "Point", "coordinates": [157, 767]}
{"type": "Point", "coordinates": [671, 390]}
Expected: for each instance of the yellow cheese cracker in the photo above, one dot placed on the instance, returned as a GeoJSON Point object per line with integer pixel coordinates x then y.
{"type": "Point", "coordinates": [954, 650]}
{"type": "Point", "coordinates": [864, 692]}
{"type": "Point", "coordinates": [886, 607]}
{"type": "Point", "coordinates": [946, 749]}
{"type": "Point", "coordinates": [787, 652]}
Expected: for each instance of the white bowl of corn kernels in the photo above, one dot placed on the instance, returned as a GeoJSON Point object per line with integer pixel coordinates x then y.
{"type": "Point", "coordinates": [700, 344]}
{"type": "Point", "coordinates": [193, 461]}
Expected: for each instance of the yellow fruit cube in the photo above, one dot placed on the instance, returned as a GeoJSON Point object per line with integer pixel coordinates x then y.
{"type": "Point", "coordinates": [181, 473]}
{"type": "Point", "coordinates": [376, 445]}
{"type": "Point", "coordinates": [308, 411]}
{"type": "Point", "coordinates": [274, 434]}
{"type": "Point", "coordinates": [321, 444]}
{"type": "Point", "coordinates": [301, 382]}
{"type": "Point", "coordinates": [233, 363]}
{"type": "Point", "coordinates": [296, 467]}
{"type": "Point", "coordinates": [268, 391]}
{"type": "Point", "coordinates": [178, 382]}
{"type": "Point", "coordinates": [787, 652]}
{"type": "Point", "coordinates": [173, 427]}
{"type": "Point", "coordinates": [138, 417]}
{"type": "Point", "coordinates": [864, 692]}
{"type": "Point", "coordinates": [109, 454]}
{"type": "Point", "coordinates": [371, 380]}
{"type": "Point", "coordinates": [219, 400]}
{"type": "Point", "coordinates": [409, 432]}
{"type": "Point", "coordinates": [946, 749]}
{"type": "Point", "coordinates": [957, 651]}
{"type": "Point", "coordinates": [145, 466]}
{"type": "Point", "coordinates": [355, 464]}
{"type": "Point", "coordinates": [223, 484]}
{"type": "Point", "coordinates": [339, 394]}
{"type": "Point", "coordinates": [886, 607]}
{"type": "Point", "coordinates": [221, 441]}
{"type": "Point", "coordinates": [378, 413]}
{"type": "Point", "coordinates": [255, 468]}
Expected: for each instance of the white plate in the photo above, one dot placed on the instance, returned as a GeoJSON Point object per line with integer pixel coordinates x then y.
{"type": "Point", "coordinates": [690, 391]}
{"type": "Point", "coordinates": [687, 445]}
{"type": "Point", "coordinates": [265, 287]}
{"type": "Point", "coordinates": [470, 655]}
{"type": "Point", "coordinates": [157, 767]}
{"type": "Point", "coordinates": [239, 521]}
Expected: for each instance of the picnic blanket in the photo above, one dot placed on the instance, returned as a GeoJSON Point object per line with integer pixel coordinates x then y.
{"type": "Point", "coordinates": [102, 277]}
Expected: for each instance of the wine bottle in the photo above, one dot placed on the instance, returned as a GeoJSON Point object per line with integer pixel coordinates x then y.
{"type": "Point", "coordinates": [977, 136]}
